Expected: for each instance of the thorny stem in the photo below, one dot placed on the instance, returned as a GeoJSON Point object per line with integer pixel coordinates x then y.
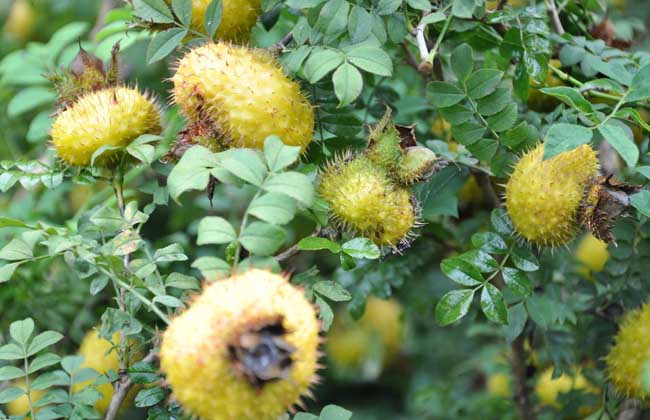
{"type": "Point", "coordinates": [522, 391]}
{"type": "Point", "coordinates": [555, 17]}
{"type": "Point", "coordinates": [148, 303]}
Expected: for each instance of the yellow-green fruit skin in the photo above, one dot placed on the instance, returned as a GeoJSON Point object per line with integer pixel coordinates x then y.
{"type": "Point", "coordinates": [548, 389]}
{"type": "Point", "coordinates": [95, 351]}
{"type": "Point", "coordinates": [630, 353]}
{"type": "Point", "coordinates": [237, 18]}
{"type": "Point", "coordinates": [20, 406]}
{"type": "Point", "coordinates": [543, 196]}
{"type": "Point", "coordinates": [591, 255]}
{"type": "Point", "coordinates": [194, 352]}
{"type": "Point", "coordinates": [110, 117]}
{"type": "Point", "coordinates": [363, 199]}
{"type": "Point", "coordinates": [20, 21]}
{"type": "Point", "coordinates": [245, 94]}
{"type": "Point", "coordinates": [348, 342]}
{"type": "Point", "coordinates": [498, 385]}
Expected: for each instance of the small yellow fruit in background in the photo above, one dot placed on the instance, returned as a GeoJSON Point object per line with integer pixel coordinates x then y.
{"type": "Point", "coordinates": [498, 385]}
{"type": "Point", "coordinates": [470, 193]}
{"type": "Point", "coordinates": [441, 129]}
{"type": "Point", "coordinates": [363, 199]}
{"type": "Point", "coordinates": [592, 255]}
{"type": "Point", "coordinates": [244, 94]}
{"type": "Point", "coordinates": [20, 406]}
{"type": "Point", "coordinates": [246, 348]}
{"type": "Point", "coordinates": [20, 21]}
{"type": "Point", "coordinates": [237, 18]}
{"type": "Point", "coordinates": [349, 341]}
{"type": "Point", "coordinates": [492, 4]}
{"type": "Point", "coordinates": [543, 196]}
{"type": "Point", "coordinates": [626, 361]}
{"type": "Point", "coordinates": [548, 389]}
{"type": "Point", "coordinates": [95, 350]}
{"type": "Point", "coordinates": [640, 132]}
{"type": "Point", "coordinates": [539, 101]}
{"type": "Point", "coordinates": [110, 117]}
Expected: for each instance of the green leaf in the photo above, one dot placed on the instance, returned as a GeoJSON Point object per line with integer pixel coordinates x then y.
{"type": "Point", "coordinates": [173, 252]}
{"type": "Point", "coordinates": [304, 4]}
{"type": "Point", "coordinates": [212, 267]}
{"type": "Point", "coordinates": [432, 18]}
{"type": "Point", "coordinates": [463, 8]}
{"type": "Point", "coordinates": [21, 331]}
{"type": "Point", "coordinates": [273, 208]}
{"type": "Point", "coordinates": [359, 24]}
{"type": "Point", "coordinates": [215, 230]}
{"type": "Point", "coordinates": [462, 61]}
{"type": "Point", "coordinates": [571, 97]}
{"type": "Point", "coordinates": [503, 120]}
{"type": "Point", "coordinates": [517, 281]}
{"type": "Point", "coordinates": [150, 396]}
{"type": "Point", "coordinates": [11, 351]}
{"type": "Point", "coordinates": [481, 260]}
{"type": "Point", "coordinates": [213, 16]}
{"type": "Point", "coordinates": [444, 94]}
{"type": "Point", "coordinates": [169, 301]}
{"type": "Point", "coordinates": [453, 306]}
{"type": "Point", "coordinates": [307, 416]}
{"type": "Point", "coordinates": [461, 271]}
{"type": "Point", "coordinates": [489, 242]}
{"type": "Point", "coordinates": [48, 380]}
{"type": "Point", "coordinates": [361, 248]}
{"type": "Point", "coordinates": [625, 146]}
{"type": "Point", "coordinates": [386, 7]}
{"type": "Point", "coordinates": [246, 165]}
{"type": "Point", "coordinates": [347, 83]}
{"type": "Point", "coordinates": [141, 148]}
{"type": "Point", "coordinates": [261, 238]}
{"type": "Point", "coordinates": [332, 290]}
{"type": "Point", "coordinates": [494, 102]}
{"type": "Point", "coordinates": [183, 11]}
{"type": "Point", "coordinates": [641, 202]}
{"type": "Point", "coordinates": [293, 184]}
{"type": "Point", "coordinates": [43, 340]}
{"type": "Point", "coordinates": [493, 304]}
{"type": "Point", "coordinates": [7, 270]}
{"type": "Point", "coordinates": [313, 243]}
{"type": "Point", "coordinates": [278, 155]}
{"type": "Point", "coordinates": [29, 99]}
{"type": "Point", "coordinates": [192, 172]}
{"type": "Point", "coordinates": [334, 412]}
{"type": "Point", "coordinates": [320, 62]}
{"type": "Point", "coordinates": [9, 394]}
{"type": "Point", "coordinates": [163, 43]}
{"type": "Point", "coordinates": [42, 361]}
{"type": "Point", "coordinates": [468, 133]}
{"type": "Point", "coordinates": [482, 82]}
{"type": "Point", "coordinates": [524, 259]}
{"type": "Point", "coordinates": [182, 282]}
{"type": "Point", "coordinates": [640, 86]}
{"type": "Point", "coordinates": [501, 222]}
{"type": "Point", "coordinates": [562, 137]}
{"type": "Point", "coordinates": [333, 17]}
{"type": "Point", "coordinates": [143, 373]}
{"type": "Point", "coordinates": [10, 372]}
{"type": "Point", "coordinates": [326, 315]}
{"type": "Point", "coordinates": [155, 11]}
{"type": "Point", "coordinates": [371, 59]}
{"type": "Point", "coordinates": [517, 317]}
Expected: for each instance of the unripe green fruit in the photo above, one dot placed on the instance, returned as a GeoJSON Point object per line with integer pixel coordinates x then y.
{"type": "Point", "coordinates": [384, 145]}
{"type": "Point", "coordinates": [543, 197]}
{"type": "Point", "coordinates": [109, 117]}
{"type": "Point", "coordinates": [630, 355]}
{"type": "Point", "coordinates": [244, 94]}
{"type": "Point", "coordinates": [416, 162]}
{"type": "Point", "coordinates": [363, 199]}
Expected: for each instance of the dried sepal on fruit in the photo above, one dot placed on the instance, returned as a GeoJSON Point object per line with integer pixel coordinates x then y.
{"type": "Point", "coordinates": [244, 95]}
{"type": "Point", "coordinates": [630, 354]}
{"type": "Point", "coordinates": [111, 117]}
{"type": "Point", "coordinates": [365, 200]}
{"type": "Point", "coordinates": [247, 347]}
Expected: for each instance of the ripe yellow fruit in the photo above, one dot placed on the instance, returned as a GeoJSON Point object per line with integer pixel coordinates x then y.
{"type": "Point", "coordinates": [470, 193]}
{"type": "Point", "coordinates": [247, 348]}
{"type": "Point", "coordinates": [349, 341]}
{"type": "Point", "coordinates": [244, 94]}
{"type": "Point", "coordinates": [20, 406]}
{"type": "Point", "coordinates": [591, 255]}
{"type": "Point", "coordinates": [95, 351]}
{"type": "Point", "coordinates": [543, 196]}
{"type": "Point", "coordinates": [110, 117]}
{"type": "Point", "coordinates": [20, 21]}
{"type": "Point", "coordinates": [364, 200]}
{"type": "Point", "coordinates": [539, 101]}
{"type": "Point", "coordinates": [498, 385]}
{"type": "Point", "coordinates": [548, 389]}
{"type": "Point", "coordinates": [237, 18]}
{"type": "Point", "coordinates": [631, 352]}
{"type": "Point", "coordinates": [442, 130]}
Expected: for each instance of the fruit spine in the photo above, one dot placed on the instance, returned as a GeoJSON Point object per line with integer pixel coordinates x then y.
{"type": "Point", "coordinates": [247, 347]}
{"type": "Point", "coordinates": [243, 94]}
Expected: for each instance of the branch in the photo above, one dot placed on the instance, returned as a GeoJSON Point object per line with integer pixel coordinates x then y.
{"type": "Point", "coordinates": [106, 6]}
{"type": "Point", "coordinates": [521, 394]}
{"type": "Point", "coordinates": [631, 409]}
{"type": "Point", "coordinates": [282, 44]}
{"type": "Point", "coordinates": [122, 387]}
{"type": "Point", "coordinates": [293, 250]}
{"type": "Point", "coordinates": [555, 17]}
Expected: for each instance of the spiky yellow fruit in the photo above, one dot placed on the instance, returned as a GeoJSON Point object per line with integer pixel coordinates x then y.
{"type": "Point", "coordinates": [110, 117]}
{"type": "Point", "coordinates": [543, 197]}
{"type": "Point", "coordinates": [20, 406]}
{"type": "Point", "coordinates": [498, 385]}
{"type": "Point", "coordinates": [237, 18]}
{"type": "Point", "coordinates": [99, 354]}
{"type": "Point", "coordinates": [244, 93]}
{"type": "Point", "coordinates": [592, 255]}
{"type": "Point", "coordinates": [363, 199]}
{"type": "Point", "coordinates": [349, 342]}
{"type": "Point", "coordinates": [20, 21]}
{"type": "Point", "coordinates": [631, 352]}
{"type": "Point", "coordinates": [247, 348]}
{"type": "Point", "coordinates": [548, 389]}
